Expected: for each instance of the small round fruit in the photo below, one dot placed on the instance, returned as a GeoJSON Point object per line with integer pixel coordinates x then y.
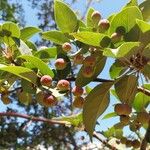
{"type": "Point", "coordinates": [96, 16]}
{"type": "Point", "coordinates": [128, 143]}
{"type": "Point", "coordinates": [103, 24]}
{"type": "Point", "coordinates": [123, 140]}
{"type": "Point", "coordinates": [78, 59]}
{"type": "Point", "coordinates": [78, 102]}
{"type": "Point", "coordinates": [66, 47]}
{"type": "Point", "coordinates": [60, 64]}
{"type": "Point", "coordinates": [77, 91]}
{"type": "Point", "coordinates": [143, 117]}
{"type": "Point", "coordinates": [5, 99]}
{"type": "Point", "coordinates": [123, 109]}
{"type": "Point", "coordinates": [89, 61]}
{"type": "Point", "coordinates": [116, 37]}
{"type": "Point", "coordinates": [124, 119]}
{"type": "Point", "coordinates": [49, 100]}
{"type": "Point", "coordinates": [136, 144]}
{"type": "Point", "coordinates": [63, 85]}
{"type": "Point", "coordinates": [46, 80]}
{"type": "Point", "coordinates": [88, 71]}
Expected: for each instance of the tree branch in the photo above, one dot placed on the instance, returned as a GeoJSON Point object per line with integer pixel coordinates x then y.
{"type": "Point", "coordinates": [143, 90]}
{"type": "Point", "coordinates": [50, 121]}
{"type": "Point", "coordinates": [104, 142]}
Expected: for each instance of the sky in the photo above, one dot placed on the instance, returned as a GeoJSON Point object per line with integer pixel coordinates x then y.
{"type": "Point", "coordinates": [106, 8]}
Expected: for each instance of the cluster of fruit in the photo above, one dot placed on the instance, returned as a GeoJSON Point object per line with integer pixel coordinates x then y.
{"type": "Point", "coordinates": [102, 25]}
{"type": "Point", "coordinates": [134, 122]}
{"type": "Point", "coordinates": [47, 99]}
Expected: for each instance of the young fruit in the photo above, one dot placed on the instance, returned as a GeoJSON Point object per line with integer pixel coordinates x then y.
{"type": "Point", "coordinates": [116, 37]}
{"type": "Point", "coordinates": [123, 109]}
{"type": "Point", "coordinates": [143, 117]}
{"type": "Point", "coordinates": [77, 91]}
{"type": "Point", "coordinates": [96, 16]}
{"type": "Point", "coordinates": [124, 119]}
{"type": "Point", "coordinates": [89, 61]}
{"type": "Point", "coordinates": [46, 80]}
{"type": "Point", "coordinates": [88, 71]}
{"type": "Point", "coordinates": [136, 144]}
{"type": "Point", "coordinates": [60, 64]}
{"type": "Point", "coordinates": [128, 143]}
{"type": "Point", "coordinates": [49, 100]}
{"type": "Point", "coordinates": [5, 99]}
{"type": "Point", "coordinates": [103, 25]}
{"type": "Point", "coordinates": [78, 102]}
{"type": "Point", "coordinates": [63, 85]}
{"type": "Point", "coordinates": [123, 140]}
{"type": "Point", "coordinates": [66, 47]}
{"type": "Point", "coordinates": [78, 59]}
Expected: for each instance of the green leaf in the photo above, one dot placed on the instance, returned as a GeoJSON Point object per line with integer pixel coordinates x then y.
{"type": "Point", "coordinates": [28, 32]}
{"type": "Point", "coordinates": [89, 20]}
{"type": "Point", "coordinates": [28, 86]}
{"type": "Point", "coordinates": [88, 89]}
{"type": "Point", "coordinates": [113, 93]}
{"type": "Point", "coordinates": [110, 115]}
{"type": "Point", "coordinates": [116, 70]}
{"type": "Point", "coordinates": [24, 49]}
{"type": "Point", "coordinates": [146, 71]}
{"type": "Point", "coordinates": [145, 31]}
{"type": "Point", "coordinates": [126, 88]}
{"type": "Point", "coordinates": [91, 38]}
{"type": "Point", "coordinates": [82, 81]}
{"type": "Point", "coordinates": [95, 104]}
{"type": "Point", "coordinates": [132, 3]}
{"type": "Point", "coordinates": [140, 102]}
{"type": "Point", "coordinates": [25, 98]}
{"type": "Point", "coordinates": [144, 26]}
{"type": "Point", "coordinates": [125, 49]}
{"type": "Point", "coordinates": [65, 18]}
{"type": "Point", "coordinates": [38, 63]}
{"type": "Point", "coordinates": [12, 28]}
{"type": "Point", "coordinates": [31, 45]}
{"type": "Point", "coordinates": [126, 19]}
{"type": "Point", "coordinates": [74, 120]}
{"type": "Point", "coordinates": [55, 36]}
{"type": "Point", "coordinates": [21, 72]}
{"type": "Point", "coordinates": [46, 54]}
{"type": "Point", "coordinates": [9, 31]}
{"type": "Point", "coordinates": [145, 8]}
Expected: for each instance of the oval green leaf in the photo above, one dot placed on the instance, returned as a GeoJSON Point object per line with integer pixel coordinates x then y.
{"type": "Point", "coordinates": [28, 32]}
{"type": "Point", "coordinates": [65, 18]}
{"type": "Point", "coordinates": [55, 36]}
{"type": "Point", "coordinates": [126, 19]}
{"type": "Point", "coordinates": [95, 104]}
{"type": "Point", "coordinates": [38, 63]}
{"type": "Point", "coordinates": [21, 72]}
{"type": "Point", "coordinates": [91, 38]}
{"type": "Point", "coordinates": [126, 88]}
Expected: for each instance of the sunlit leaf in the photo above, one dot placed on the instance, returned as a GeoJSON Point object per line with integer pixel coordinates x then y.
{"type": "Point", "coordinates": [38, 63]}
{"type": "Point", "coordinates": [65, 18]}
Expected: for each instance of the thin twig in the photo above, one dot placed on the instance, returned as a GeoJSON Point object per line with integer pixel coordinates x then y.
{"type": "Point", "coordinates": [104, 142]}
{"type": "Point", "coordinates": [50, 121]}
